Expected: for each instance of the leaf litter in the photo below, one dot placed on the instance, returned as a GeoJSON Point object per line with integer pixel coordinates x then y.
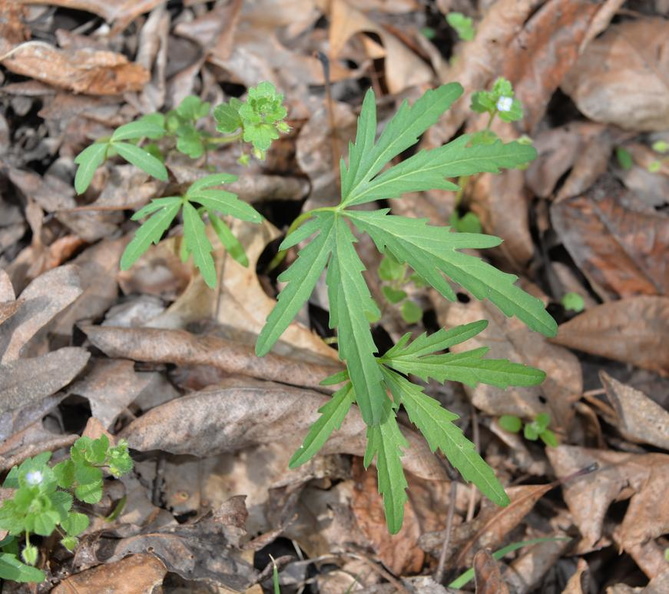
{"type": "Point", "coordinates": [175, 374]}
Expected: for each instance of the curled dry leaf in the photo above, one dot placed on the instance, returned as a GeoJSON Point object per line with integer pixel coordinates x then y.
{"type": "Point", "coordinates": [137, 573]}
{"type": "Point", "coordinates": [638, 418]}
{"type": "Point", "coordinates": [641, 478]}
{"type": "Point", "coordinates": [26, 381]}
{"type": "Point", "coordinates": [487, 575]}
{"type": "Point", "coordinates": [633, 330]}
{"type": "Point", "coordinates": [618, 244]}
{"type": "Point", "coordinates": [94, 72]}
{"type": "Point", "coordinates": [228, 419]}
{"type": "Point", "coordinates": [621, 77]}
{"type": "Point", "coordinates": [41, 301]}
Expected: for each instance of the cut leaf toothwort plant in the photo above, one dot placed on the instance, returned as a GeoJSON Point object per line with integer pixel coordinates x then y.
{"type": "Point", "coordinates": [380, 385]}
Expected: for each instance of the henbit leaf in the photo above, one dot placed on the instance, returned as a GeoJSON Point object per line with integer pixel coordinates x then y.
{"type": "Point", "coordinates": [436, 425]}
{"type": "Point", "coordinates": [366, 159]}
{"type": "Point", "coordinates": [141, 159]}
{"type": "Point", "coordinates": [198, 244]}
{"type": "Point", "coordinates": [431, 252]}
{"type": "Point", "coordinates": [332, 416]}
{"type": "Point", "coordinates": [150, 232]}
{"type": "Point", "coordinates": [138, 129]}
{"type": "Point", "coordinates": [386, 442]}
{"type": "Point", "coordinates": [351, 311]}
{"type": "Point", "coordinates": [468, 368]}
{"type": "Point", "coordinates": [429, 169]}
{"type": "Point", "coordinates": [89, 160]}
{"type": "Point", "coordinates": [301, 278]}
{"type": "Point", "coordinates": [438, 341]}
{"type": "Point", "coordinates": [208, 181]}
{"type": "Point", "coordinates": [229, 241]}
{"type": "Point", "coordinates": [226, 203]}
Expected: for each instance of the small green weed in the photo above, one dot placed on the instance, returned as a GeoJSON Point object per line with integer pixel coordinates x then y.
{"type": "Point", "coordinates": [533, 430]}
{"type": "Point", "coordinates": [573, 302]}
{"type": "Point", "coordinates": [43, 499]}
{"type": "Point", "coordinates": [463, 25]}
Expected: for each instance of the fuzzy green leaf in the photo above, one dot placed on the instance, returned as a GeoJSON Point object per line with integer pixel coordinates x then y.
{"type": "Point", "coordinates": [141, 159]}
{"type": "Point", "coordinates": [226, 203]}
{"type": "Point", "coordinates": [151, 231]}
{"type": "Point", "coordinates": [436, 425]}
{"type": "Point", "coordinates": [88, 161]}
{"type": "Point", "coordinates": [431, 252]}
{"type": "Point", "coordinates": [351, 311]}
{"type": "Point", "coordinates": [138, 129]}
{"type": "Point", "coordinates": [386, 443]}
{"type": "Point", "coordinates": [367, 158]}
{"type": "Point", "coordinates": [332, 416]}
{"type": "Point", "coordinates": [301, 277]}
{"type": "Point", "coordinates": [198, 244]}
{"type": "Point", "coordinates": [229, 241]}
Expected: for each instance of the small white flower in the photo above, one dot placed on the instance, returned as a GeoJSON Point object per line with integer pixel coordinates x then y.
{"type": "Point", "coordinates": [504, 103]}
{"type": "Point", "coordinates": [34, 477]}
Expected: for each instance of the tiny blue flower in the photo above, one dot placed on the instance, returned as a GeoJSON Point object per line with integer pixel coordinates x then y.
{"type": "Point", "coordinates": [504, 103]}
{"type": "Point", "coordinates": [34, 477]}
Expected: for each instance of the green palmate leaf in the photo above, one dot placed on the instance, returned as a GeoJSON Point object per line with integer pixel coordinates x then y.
{"type": "Point", "coordinates": [151, 231]}
{"type": "Point", "coordinates": [468, 368]}
{"type": "Point", "coordinates": [427, 170]}
{"type": "Point", "coordinates": [89, 160]}
{"type": "Point", "coordinates": [351, 311]}
{"type": "Point", "coordinates": [368, 158]}
{"type": "Point", "coordinates": [386, 443]}
{"type": "Point", "coordinates": [332, 416]}
{"type": "Point", "coordinates": [226, 203]}
{"type": "Point", "coordinates": [301, 277]}
{"type": "Point", "coordinates": [197, 243]}
{"type": "Point", "coordinates": [139, 129]}
{"type": "Point", "coordinates": [227, 116]}
{"type": "Point", "coordinates": [426, 344]}
{"type": "Point", "coordinates": [141, 159]}
{"type": "Point", "coordinates": [436, 425]}
{"type": "Point", "coordinates": [75, 523]}
{"type": "Point", "coordinates": [229, 241]}
{"type": "Point", "coordinates": [431, 252]}
{"type": "Point", "coordinates": [210, 181]}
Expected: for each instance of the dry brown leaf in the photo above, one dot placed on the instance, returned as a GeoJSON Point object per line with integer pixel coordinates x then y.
{"type": "Point", "coordinates": [638, 418]}
{"type": "Point", "coordinates": [619, 245]}
{"type": "Point", "coordinates": [487, 575]}
{"type": "Point", "coordinates": [41, 301]}
{"type": "Point", "coordinates": [641, 478]}
{"type": "Point", "coordinates": [134, 574]}
{"type": "Point", "coordinates": [228, 419]}
{"type": "Point", "coordinates": [93, 72]}
{"type": "Point", "coordinates": [510, 339]}
{"type": "Point", "coordinates": [622, 79]}
{"type": "Point", "coordinates": [633, 330]}
{"type": "Point", "coordinates": [183, 348]}
{"type": "Point", "coordinates": [541, 54]}
{"type": "Point", "coordinates": [26, 381]}
{"type": "Point", "coordinates": [577, 583]}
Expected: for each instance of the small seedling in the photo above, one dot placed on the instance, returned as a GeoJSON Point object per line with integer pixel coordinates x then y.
{"type": "Point", "coordinates": [396, 277]}
{"type": "Point", "coordinates": [573, 302]}
{"type": "Point", "coordinates": [463, 25]}
{"type": "Point", "coordinates": [536, 429]}
{"type": "Point", "coordinates": [624, 158]}
{"type": "Point", "coordinates": [43, 499]}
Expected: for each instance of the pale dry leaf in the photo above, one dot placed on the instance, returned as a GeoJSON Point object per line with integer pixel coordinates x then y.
{"type": "Point", "coordinates": [621, 78]}
{"type": "Point", "coordinates": [183, 348]}
{"type": "Point", "coordinates": [633, 330]}
{"type": "Point", "coordinates": [42, 300]}
{"type": "Point", "coordinates": [641, 478]}
{"type": "Point", "coordinates": [26, 381]}
{"type": "Point", "coordinates": [576, 582]}
{"type": "Point", "coordinates": [638, 418]}
{"type": "Point", "coordinates": [528, 571]}
{"type": "Point", "coordinates": [93, 72]}
{"type": "Point", "coordinates": [228, 419]}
